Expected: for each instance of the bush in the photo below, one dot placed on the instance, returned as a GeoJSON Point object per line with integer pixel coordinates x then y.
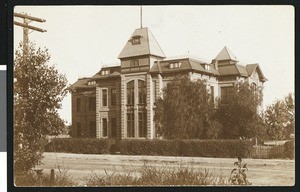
{"type": "Point", "coordinates": [79, 145]}
{"type": "Point", "coordinates": [191, 148]}
{"type": "Point", "coordinates": [216, 148]}
{"type": "Point", "coordinates": [289, 149]}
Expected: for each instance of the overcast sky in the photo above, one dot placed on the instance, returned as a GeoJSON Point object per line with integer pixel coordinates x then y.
{"type": "Point", "coordinates": [82, 38]}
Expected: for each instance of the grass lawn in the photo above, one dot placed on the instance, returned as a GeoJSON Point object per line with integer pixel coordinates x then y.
{"type": "Point", "coordinates": [262, 172]}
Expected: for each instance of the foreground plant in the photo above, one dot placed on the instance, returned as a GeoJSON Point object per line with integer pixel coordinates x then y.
{"type": "Point", "coordinates": [157, 176]}
{"type": "Point", "coordinates": [238, 175]}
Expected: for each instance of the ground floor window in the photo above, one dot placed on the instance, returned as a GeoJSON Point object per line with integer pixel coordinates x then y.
{"type": "Point", "coordinates": [79, 129]}
{"type": "Point", "coordinates": [93, 129]}
{"type": "Point", "coordinates": [130, 124]}
{"type": "Point", "coordinates": [104, 127]}
{"type": "Point", "coordinates": [113, 127]}
{"type": "Point", "coordinates": [143, 124]}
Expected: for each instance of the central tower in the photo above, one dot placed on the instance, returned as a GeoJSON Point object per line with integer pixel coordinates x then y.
{"type": "Point", "coordinates": [137, 57]}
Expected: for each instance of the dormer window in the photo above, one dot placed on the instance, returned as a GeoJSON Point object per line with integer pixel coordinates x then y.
{"type": "Point", "coordinates": [105, 72]}
{"type": "Point", "coordinates": [92, 83]}
{"type": "Point", "coordinates": [134, 63]}
{"type": "Point", "coordinates": [207, 67]}
{"type": "Point", "coordinates": [136, 40]}
{"type": "Point", "coordinates": [174, 65]}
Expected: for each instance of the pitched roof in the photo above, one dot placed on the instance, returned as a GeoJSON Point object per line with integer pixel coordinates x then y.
{"type": "Point", "coordinates": [252, 67]}
{"type": "Point", "coordinates": [187, 64]}
{"type": "Point", "coordinates": [114, 72]}
{"type": "Point", "coordinates": [226, 54]}
{"type": "Point", "coordinates": [148, 45]}
{"type": "Point", "coordinates": [81, 83]}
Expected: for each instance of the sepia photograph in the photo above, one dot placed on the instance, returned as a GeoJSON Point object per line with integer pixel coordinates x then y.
{"type": "Point", "coordinates": [139, 96]}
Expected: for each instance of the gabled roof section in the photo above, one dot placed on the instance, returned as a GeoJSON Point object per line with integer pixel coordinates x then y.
{"type": "Point", "coordinates": [147, 46]}
{"type": "Point", "coordinates": [252, 67]}
{"type": "Point", "coordinates": [226, 54]}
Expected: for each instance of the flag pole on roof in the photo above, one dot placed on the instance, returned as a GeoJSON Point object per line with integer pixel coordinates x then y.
{"type": "Point", "coordinates": [141, 12]}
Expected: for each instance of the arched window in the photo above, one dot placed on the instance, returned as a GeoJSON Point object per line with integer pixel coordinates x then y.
{"type": "Point", "coordinates": [142, 92]}
{"type": "Point", "coordinates": [130, 93]}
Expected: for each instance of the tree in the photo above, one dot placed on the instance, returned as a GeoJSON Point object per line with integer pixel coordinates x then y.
{"type": "Point", "coordinates": [184, 110]}
{"type": "Point", "coordinates": [279, 118]}
{"type": "Point", "coordinates": [239, 115]}
{"type": "Point", "coordinates": [38, 90]}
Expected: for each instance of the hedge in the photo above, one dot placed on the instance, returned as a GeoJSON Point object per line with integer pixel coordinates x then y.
{"type": "Point", "coordinates": [191, 148]}
{"type": "Point", "coordinates": [289, 149]}
{"type": "Point", "coordinates": [80, 145]}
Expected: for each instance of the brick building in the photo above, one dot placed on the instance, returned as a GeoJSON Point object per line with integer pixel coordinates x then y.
{"type": "Point", "coordinates": [118, 101]}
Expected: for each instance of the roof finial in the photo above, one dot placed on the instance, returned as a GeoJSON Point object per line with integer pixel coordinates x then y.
{"type": "Point", "coordinates": [141, 16]}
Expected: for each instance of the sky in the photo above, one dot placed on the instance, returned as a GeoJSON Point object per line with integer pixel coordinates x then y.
{"type": "Point", "coordinates": [81, 39]}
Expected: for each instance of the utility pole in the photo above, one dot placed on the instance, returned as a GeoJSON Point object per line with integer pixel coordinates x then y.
{"type": "Point", "coordinates": [141, 12]}
{"type": "Point", "coordinates": [26, 20]}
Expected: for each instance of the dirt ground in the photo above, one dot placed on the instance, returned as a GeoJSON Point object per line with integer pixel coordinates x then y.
{"type": "Point", "coordinates": [262, 172]}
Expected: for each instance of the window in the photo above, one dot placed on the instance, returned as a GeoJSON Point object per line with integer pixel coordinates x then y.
{"type": "Point", "coordinates": [207, 67]}
{"type": "Point", "coordinates": [130, 125]}
{"type": "Point", "coordinates": [104, 127]}
{"type": "Point", "coordinates": [174, 65]}
{"type": "Point", "coordinates": [92, 103]}
{"type": "Point", "coordinates": [225, 94]}
{"type": "Point", "coordinates": [143, 124]}
{"type": "Point", "coordinates": [78, 104]}
{"type": "Point", "coordinates": [134, 63]}
{"type": "Point", "coordinates": [130, 93]}
{"type": "Point", "coordinates": [79, 129]}
{"type": "Point", "coordinates": [113, 127]}
{"type": "Point", "coordinates": [105, 72]}
{"type": "Point", "coordinates": [92, 83]}
{"type": "Point", "coordinates": [93, 129]}
{"type": "Point", "coordinates": [212, 93]}
{"type": "Point", "coordinates": [142, 92]}
{"type": "Point", "coordinates": [113, 97]}
{"type": "Point", "coordinates": [104, 97]}
{"type": "Point", "coordinates": [136, 40]}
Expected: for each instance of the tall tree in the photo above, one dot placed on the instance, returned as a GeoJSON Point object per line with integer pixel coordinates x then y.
{"type": "Point", "coordinates": [184, 110]}
{"type": "Point", "coordinates": [38, 90]}
{"type": "Point", "coordinates": [280, 118]}
{"type": "Point", "coordinates": [239, 114]}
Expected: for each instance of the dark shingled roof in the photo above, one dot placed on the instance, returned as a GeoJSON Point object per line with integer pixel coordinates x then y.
{"type": "Point", "coordinates": [252, 67]}
{"type": "Point", "coordinates": [114, 71]}
{"type": "Point", "coordinates": [187, 64]}
{"type": "Point", "coordinates": [81, 83]}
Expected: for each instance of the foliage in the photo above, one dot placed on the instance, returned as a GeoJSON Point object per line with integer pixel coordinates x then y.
{"type": "Point", "coordinates": [289, 149]}
{"type": "Point", "coordinates": [239, 115]}
{"type": "Point", "coordinates": [157, 176]}
{"type": "Point", "coordinates": [38, 91]}
{"type": "Point", "coordinates": [279, 118]}
{"type": "Point", "coordinates": [37, 178]}
{"type": "Point", "coordinates": [238, 175]}
{"type": "Point", "coordinates": [80, 145]}
{"type": "Point", "coordinates": [191, 148]}
{"type": "Point", "coordinates": [184, 110]}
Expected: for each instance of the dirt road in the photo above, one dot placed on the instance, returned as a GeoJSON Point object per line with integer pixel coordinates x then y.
{"type": "Point", "coordinates": [266, 172]}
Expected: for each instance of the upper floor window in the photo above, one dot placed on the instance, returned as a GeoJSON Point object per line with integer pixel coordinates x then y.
{"type": "Point", "coordinates": [142, 92]}
{"type": "Point", "coordinates": [113, 97]}
{"type": "Point", "coordinates": [130, 93]}
{"type": "Point", "coordinates": [78, 104]}
{"type": "Point", "coordinates": [104, 97]}
{"type": "Point", "coordinates": [105, 72]}
{"type": "Point", "coordinates": [174, 65]}
{"type": "Point", "coordinates": [136, 40]}
{"type": "Point", "coordinates": [225, 94]}
{"type": "Point", "coordinates": [134, 63]}
{"type": "Point", "coordinates": [92, 104]}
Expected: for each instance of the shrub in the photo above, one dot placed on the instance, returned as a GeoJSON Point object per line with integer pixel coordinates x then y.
{"type": "Point", "coordinates": [79, 145]}
{"type": "Point", "coordinates": [193, 148]}
{"type": "Point", "coordinates": [289, 149]}
{"type": "Point", "coordinates": [215, 148]}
